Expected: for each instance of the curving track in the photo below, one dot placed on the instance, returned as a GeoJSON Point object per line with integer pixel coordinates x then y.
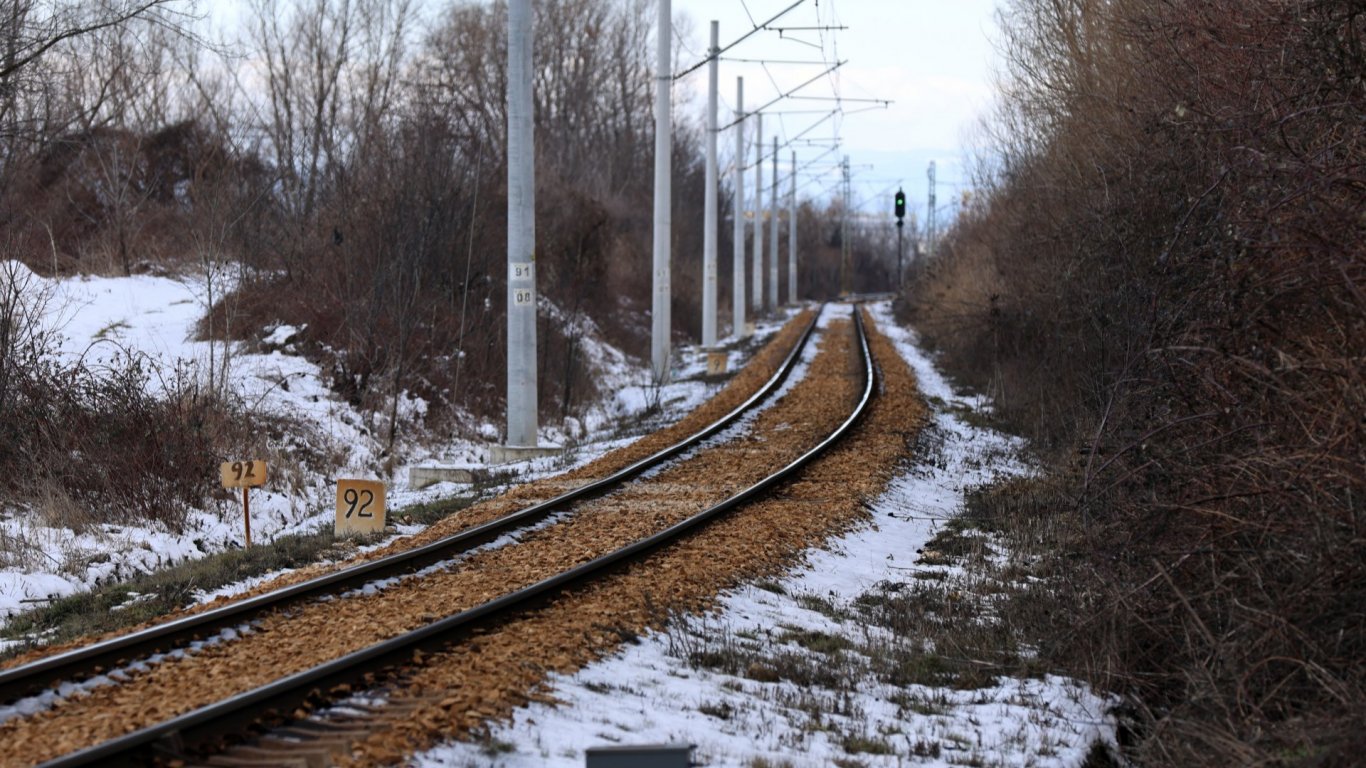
{"type": "Point", "coordinates": [211, 722]}
{"type": "Point", "coordinates": [35, 677]}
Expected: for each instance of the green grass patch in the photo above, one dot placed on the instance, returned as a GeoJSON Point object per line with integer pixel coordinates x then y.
{"type": "Point", "coordinates": [113, 607]}
{"type": "Point", "coordinates": [111, 330]}
{"type": "Point", "coordinates": [771, 586]}
{"type": "Point", "coordinates": [433, 511]}
{"type": "Point", "coordinates": [719, 710]}
{"type": "Point", "coordinates": [146, 597]}
{"type": "Point", "coordinates": [495, 747]}
{"type": "Point", "coordinates": [821, 605]}
{"type": "Point", "coordinates": [856, 744]}
{"type": "Point", "coordinates": [953, 541]}
{"type": "Point", "coordinates": [975, 417]}
{"type": "Point", "coordinates": [929, 704]}
{"type": "Point", "coordinates": [819, 642]}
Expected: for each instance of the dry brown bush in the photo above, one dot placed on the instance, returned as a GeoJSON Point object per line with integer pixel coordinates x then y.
{"type": "Point", "coordinates": [1167, 275]}
{"type": "Point", "coordinates": [86, 444]}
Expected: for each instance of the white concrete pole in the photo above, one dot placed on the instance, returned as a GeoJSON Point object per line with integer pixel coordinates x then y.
{"type": "Point", "coordinates": [659, 338]}
{"type": "Point", "coordinates": [757, 295]}
{"type": "Point", "coordinates": [521, 293]}
{"type": "Point", "coordinates": [930, 232]}
{"type": "Point", "coordinates": [846, 276]}
{"type": "Point", "coordinates": [792, 233]}
{"type": "Point", "coordinates": [738, 211]}
{"type": "Point", "coordinates": [773, 232]}
{"type": "Point", "coordinates": [709, 198]}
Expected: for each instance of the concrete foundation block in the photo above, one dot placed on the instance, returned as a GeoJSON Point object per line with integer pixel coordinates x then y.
{"type": "Point", "coordinates": [506, 454]}
{"type": "Point", "coordinates": [421, 477]}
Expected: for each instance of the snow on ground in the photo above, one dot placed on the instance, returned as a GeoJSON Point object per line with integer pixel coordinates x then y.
{"type": "Point", "coordinates": [649, 693]}
{"type": "Point", "coordinates": [99, 319]}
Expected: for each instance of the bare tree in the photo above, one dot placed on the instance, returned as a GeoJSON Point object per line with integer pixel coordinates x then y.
{"type": "Point", "coordinates": [35, 50]}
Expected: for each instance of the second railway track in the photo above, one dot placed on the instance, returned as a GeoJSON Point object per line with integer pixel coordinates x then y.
{"type": "Point", "coordinates": [481, 597]}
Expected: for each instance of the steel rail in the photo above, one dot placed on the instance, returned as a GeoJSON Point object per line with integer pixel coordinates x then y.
{"type": "Point", "coordinates": [35, 677]}
{"type": "Point", "coordinates": [214, 721]}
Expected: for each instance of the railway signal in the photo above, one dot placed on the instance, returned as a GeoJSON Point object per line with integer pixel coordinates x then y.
{"type": "Point", "coordinates": [899, 207]}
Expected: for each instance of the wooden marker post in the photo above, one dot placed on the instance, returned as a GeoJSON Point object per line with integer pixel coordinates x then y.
{"type": "Point", "coordinates": [360, 507]}
{"type": "Point", "coordinates": [245, 475]}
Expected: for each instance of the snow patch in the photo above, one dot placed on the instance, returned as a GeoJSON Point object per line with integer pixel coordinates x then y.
{"type": "Point", "coordinates": [647, 693]}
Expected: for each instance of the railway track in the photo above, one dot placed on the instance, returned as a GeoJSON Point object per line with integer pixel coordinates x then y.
{"type": "Point", "coordinates": [33, 678]}
{"type": "Point", "coordinates": [181, 735]}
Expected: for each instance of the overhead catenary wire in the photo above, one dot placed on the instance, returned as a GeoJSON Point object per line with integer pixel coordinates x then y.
{"type": "Point", "coordinates": [828, 115]}
{"type": "Point", "coordinates": [788, 94]}
{"type": "Point", "coordinates": [799, 62]}
{"type": "Point", "coordinates": [757, 28]}
{"type": "Point", "coordinates": [842, 99]}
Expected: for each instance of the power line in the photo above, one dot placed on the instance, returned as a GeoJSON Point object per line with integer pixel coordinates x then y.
{"type": "Point", "coordinates": [788, 95]}
{"type": "Point", "coordinates": [742, 38]}
{"type": "Point", "coordinates": [808, 62]}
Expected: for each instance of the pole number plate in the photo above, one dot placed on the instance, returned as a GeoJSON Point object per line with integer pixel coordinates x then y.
{"type": "Point", "coordinates": [242, 474]}
{"type": "Point", "coordinates": [360, 507]}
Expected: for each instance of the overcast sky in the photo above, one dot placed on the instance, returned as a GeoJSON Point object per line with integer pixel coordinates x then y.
{"type": "Point", "coordinates": [933, 58]}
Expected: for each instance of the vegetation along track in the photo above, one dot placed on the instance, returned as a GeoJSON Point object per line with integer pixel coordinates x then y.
{"type": "Point", "coordinates": [83, 661]}
{"type": "Point", "coordinates": [599, 537]}
{"type": "Point", "coordinates": [827, 494]}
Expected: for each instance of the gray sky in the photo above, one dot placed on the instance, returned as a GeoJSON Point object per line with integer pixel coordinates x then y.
{"type": "Point", "coordinates": [933, 58]}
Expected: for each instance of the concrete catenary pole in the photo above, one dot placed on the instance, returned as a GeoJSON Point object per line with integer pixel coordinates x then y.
{"type": "Point", "coordinates": [709, 198]}
{"type": "Point", "coordinates": [846, 269]}
{"type": "Point", "coordinates": [792, 233]}
{"type": "Point", "coordinates": [757, 295]}
{"type": "Point", "coordinates": [659, 338]}
{"type": "Point", "coordinates": [774, 259]}
{"type": "Point", "coordinates": [930, 233]}
{"type": "Point", "coordinates": [521, 293]}
{"type": "Point", "coordinates": [738, 208]}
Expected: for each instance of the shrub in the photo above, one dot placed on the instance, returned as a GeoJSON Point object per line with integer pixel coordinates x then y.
{"type": "Point", "coordinates": [1163, 283]}
{"type": "Point", "coordinates": [87, 443]}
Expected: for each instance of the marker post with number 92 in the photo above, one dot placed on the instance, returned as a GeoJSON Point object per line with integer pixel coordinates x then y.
{"type": "Point", "coordinates": [245, 475]}
{"type": "Point", "coordinates": [360, 507]}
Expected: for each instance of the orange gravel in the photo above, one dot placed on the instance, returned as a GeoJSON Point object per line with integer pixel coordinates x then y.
{"type": "Point", "coordinates": [739, 388]}
{"type": "Point", "coordinates": [459, 690]}
{"type": "Point", "coordinates": [314, 633]}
